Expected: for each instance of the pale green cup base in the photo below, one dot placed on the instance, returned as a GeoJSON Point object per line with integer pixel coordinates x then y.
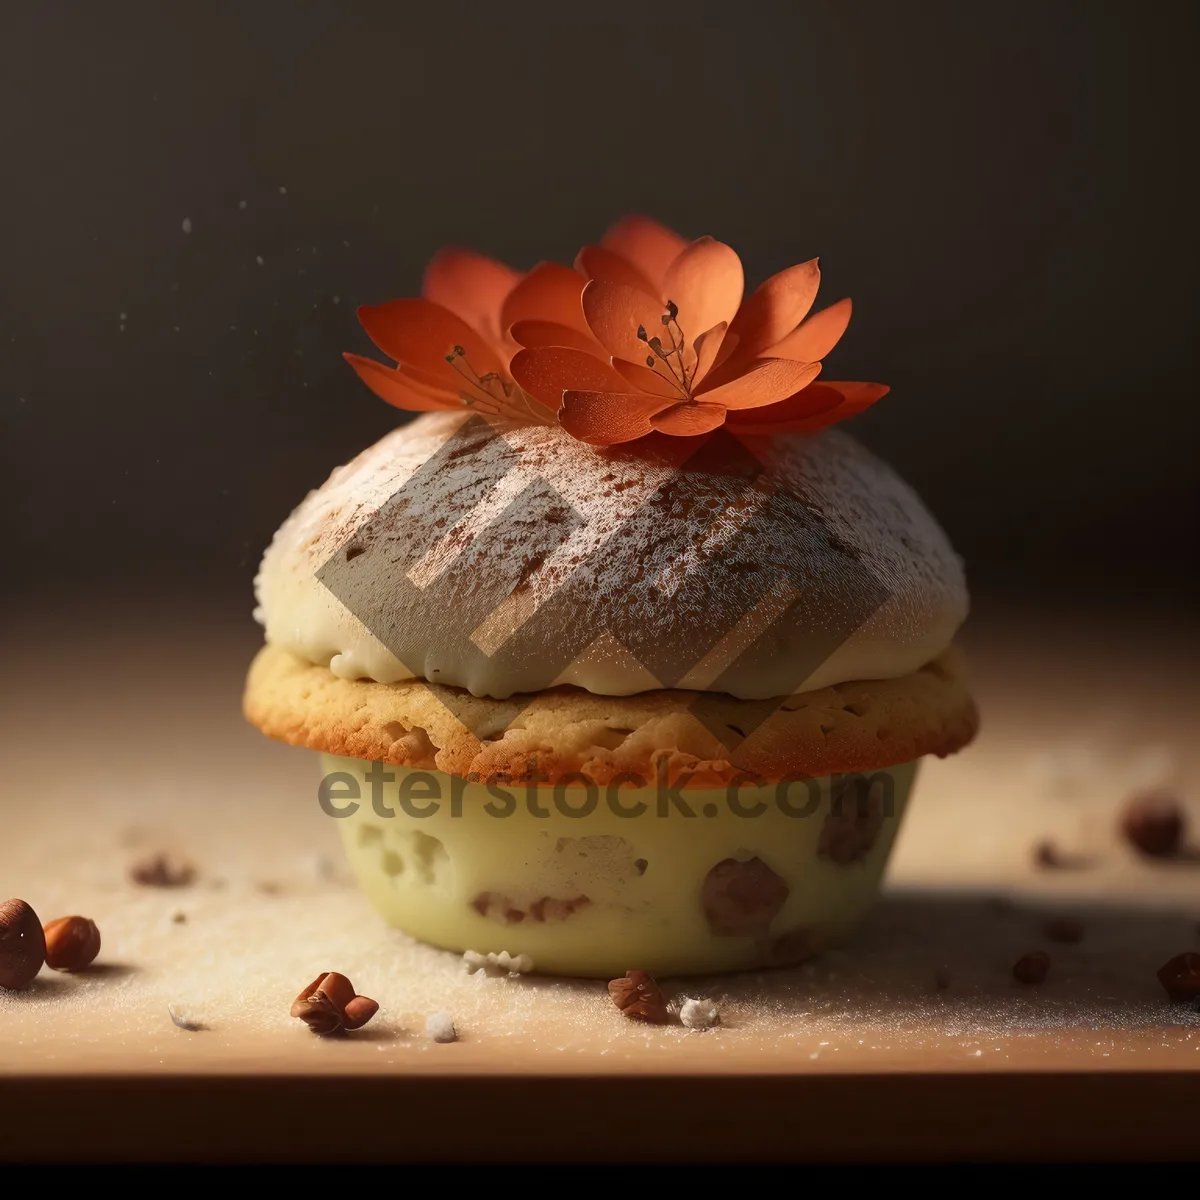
{"type": "Point", "coordinates": [753, 877]}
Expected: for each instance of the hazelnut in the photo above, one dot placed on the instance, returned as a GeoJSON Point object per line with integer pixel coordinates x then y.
{"type": "Point", "coordinates": [72, 943]}
{"type": "Point", "coordinates": [1032, 968]}
{"type": "Point", "coordinates": [330, 1004]}
{"type": "Point", "coordinates": [318, 1012]}
{"type": "Point", "coordinates": [638, 996]}
{"type": "Point", "coordinates": [358, 1012]}
{"type": "Point", "coordinates": [1154, 823]}
{"type": "Point", "coordinates": [22, 944]}
{"type": "Point", "coordinates": [1181, 977]}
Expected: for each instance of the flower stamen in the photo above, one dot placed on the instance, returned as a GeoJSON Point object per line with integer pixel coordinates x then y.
{"type": "Point", "coordinates": [499, 396]}
{"type": "Point", "coordinates": [678, 378]}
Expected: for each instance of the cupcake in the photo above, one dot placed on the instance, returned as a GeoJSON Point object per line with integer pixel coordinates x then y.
{"type": "Point", "coordinates": [618, 654]}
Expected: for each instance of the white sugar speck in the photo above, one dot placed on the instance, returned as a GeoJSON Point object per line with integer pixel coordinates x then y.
{"type": "Point", "coordinates": [337, 299]}
{"type": "Point", "coordinates": [439, 1027]}
{"type": "Point", "coordinates": [186, 225]}
{"type": "Point", "coordinates": [185, 1018]}
{"type": "Point", "coordinates": [258, 258]}
{"type": "Point", "coordinates": [283, 191]}
{"type": "Point", "coordinates": [492, 963]}
{"type": "Point", "coordinates": [241, 204]}
{"type": "Point", "coordinates": [699, 1014]}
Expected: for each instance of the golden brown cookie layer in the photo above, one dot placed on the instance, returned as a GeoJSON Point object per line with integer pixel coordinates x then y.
{"type": "Point", "coordinates": [857, 726]}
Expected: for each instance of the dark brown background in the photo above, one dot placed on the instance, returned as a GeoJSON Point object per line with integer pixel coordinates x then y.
{"type": "Point", "coordinates": [1004, 189]}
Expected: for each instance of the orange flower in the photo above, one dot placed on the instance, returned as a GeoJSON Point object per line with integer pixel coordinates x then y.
{"type": "Point", "coordinates": [450, 343]}
{"type": "Point", "coordinates": [660, 339]}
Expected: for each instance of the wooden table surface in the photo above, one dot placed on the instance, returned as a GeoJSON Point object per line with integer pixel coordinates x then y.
{"type": "Point", "coordinates": [129, 740]}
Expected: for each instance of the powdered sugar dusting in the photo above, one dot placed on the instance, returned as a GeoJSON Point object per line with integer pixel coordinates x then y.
{"type": "Point", "coordinates": [603, 555]}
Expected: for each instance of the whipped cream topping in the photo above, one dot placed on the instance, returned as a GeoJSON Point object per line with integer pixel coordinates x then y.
{"type": "Point", "coordinates": [507, 559]}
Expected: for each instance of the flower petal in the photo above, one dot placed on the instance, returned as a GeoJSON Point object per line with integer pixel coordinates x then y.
{"type": "Point", "coordinates": [551, 333]}
{"type": "Point", "coordinates": [645, 244]}
{"type": "Point", "coordinates": [862, 395]}
{"type": "Point", "coordinates": [687, 420]}
{"type": "Point", "coordinates": [809, 402]}
{"type": "Point", "coordinates": [648, 380]}
{"type": "Point", "coordinates": [418, 332]}
{"type": "Point", "coordinates": [816, 407]}
{"type": "Point", "coordinates": [550, 292]}
{"type": "Point", "coordinates": [858, 396]}
{"type": "Point", "coordinates": [597, 262]}
{"type": "Point", "coordinates": [706, 282]}
{"type": "Point", "coordinates": [776, 308]}
{"type": "Point", "coordinates": [815, 337]}
{"type": "Point", "coordinates": [707, 346]}
{"type": "Point", "coordinates": [470, 285]}
{"type": "Point", "coordinates": [614, 314]}
{"type": "Point", "coordinates": [545, 372]}
{"type": "Point", "coordinates": [390, 385]}
{"type": "Point", "coordinates": [606, 418]}
{"type": "Point", "coordinates": [767, 381]}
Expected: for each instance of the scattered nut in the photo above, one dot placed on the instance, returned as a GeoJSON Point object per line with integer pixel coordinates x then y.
{"type": "Point", "coordinates": [358, 1012]}
{"type": "Point", "coordinates": [439, 1027]}
{"type": "Point", "coordinates": [638, 996]}
{"type": "Point", "coordinates": [1063, 929]}
{"type": "Point", "coordinates": [319, 1013]}
{"type": "Point", "coordinates": [1154, 822]}
{"type": "Point", "coordinates": [22, 944]}
{"type": "Point", "coordinates": [162, 870]}
{"type": "Point", "coordinates": [1047, 854]}
{"type": "Point", "coordinates": [1181, 977]}
{"type": "Point", "coordinates": [72, 943]}
{"type": "Point", "coordinates": [1032, 968]}
{"type": "Point", "coordinates": [329, 1004]}
{"type": "Point", "coordinates": [698, 1014]}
